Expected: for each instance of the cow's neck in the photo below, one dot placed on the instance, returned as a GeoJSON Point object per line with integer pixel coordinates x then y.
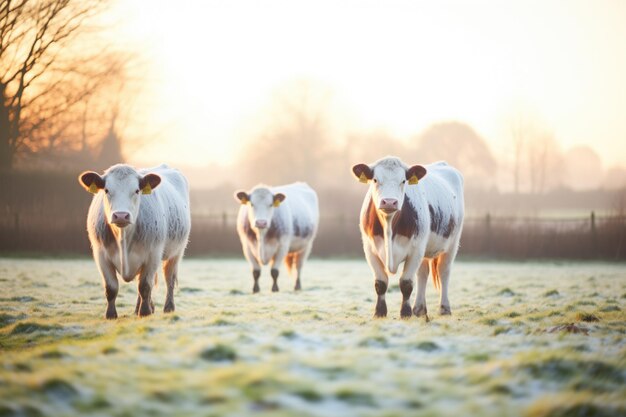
{"type": "Point", "coordinates": [122, 237]}
{"type": "Point", "coordinates": [388, 221]}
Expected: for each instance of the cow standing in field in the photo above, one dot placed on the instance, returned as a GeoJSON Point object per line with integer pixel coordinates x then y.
{"type": "Point", "coordinates": [277, 224]}
{"type": "Point", "coordinates": [418, 224]}
{"type": "Point", "coordinates": [138, 219]}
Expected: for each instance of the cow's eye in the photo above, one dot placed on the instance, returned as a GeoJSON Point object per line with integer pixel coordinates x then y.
{"type": "Point", "coordinates": [137, 191]}
{"type": "Point", "coordinates": [403, 181]}
{"type": "Point", "coordinates": [106, 190]}
{"type": "Point", "coordinates": [375, 180]}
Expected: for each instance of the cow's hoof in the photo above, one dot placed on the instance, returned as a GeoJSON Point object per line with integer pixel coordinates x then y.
{"type": "Point", "coordinates": [445, 310]}
{"type": "Point", "coordinates": [420, 311]}
{"type": "Point", "coordinates": [275, 288]}
{"type": "Point", "coordinates": [145, 310]}
{"type": "Point", "coordinates": [405, 311]}
{"type": "Point", "coordinates": [111, 314]}
{"type": "Point", "coordinates": [169, 307]}
{"type": "Point", "coordinates": [255, 289]}
{"type": "Point", "coordinates": [381, 309]}
{"type": "Point", "coordinates": [298, 287]}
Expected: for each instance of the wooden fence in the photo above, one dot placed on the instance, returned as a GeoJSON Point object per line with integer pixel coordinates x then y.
{"type": "Point", "coordinates": [52, 230]}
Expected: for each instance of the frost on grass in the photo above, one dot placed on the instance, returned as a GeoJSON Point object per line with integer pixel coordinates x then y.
{"type": "Point", "coordinates": [526, 339]}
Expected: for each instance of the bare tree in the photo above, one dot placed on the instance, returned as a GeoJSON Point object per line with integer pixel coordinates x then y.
{"type": "Point", "coordinates": [293, 144]}
{"type": "Point", "coordinates": [458, 144]}
{"type": "Point", "coordinates": [544, 162]}
{"type": "Point", "coordinates": [45, 73]}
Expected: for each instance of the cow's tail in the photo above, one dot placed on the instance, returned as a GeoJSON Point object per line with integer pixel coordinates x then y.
{"type": "Point", "coordinates": [290, 262]}
{"type": "Point", "coordinates": [434, 271]}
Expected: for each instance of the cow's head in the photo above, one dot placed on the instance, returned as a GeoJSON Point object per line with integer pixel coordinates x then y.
{"type": "Point", "coordinates": [123, 187]}
{"type": "Point", "coordinates": [388, 178]}
{"type": "Point", "coordinates": [261, 204]}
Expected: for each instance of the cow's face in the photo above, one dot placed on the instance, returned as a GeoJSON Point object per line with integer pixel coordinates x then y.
{"type": "Point", "coordinates": [122, 193]}
{"type": "Point", "coordinates": [261, 204]}
{"type": "Point", "coordinates": [388, 179]}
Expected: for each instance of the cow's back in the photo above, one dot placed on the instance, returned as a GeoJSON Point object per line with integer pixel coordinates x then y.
{"type": "Point", "coordinates": [442, 187]}
{"type": "Point", "coordinates": [302, 204]}
{"type": "Point", "coordinates": [165, 214]}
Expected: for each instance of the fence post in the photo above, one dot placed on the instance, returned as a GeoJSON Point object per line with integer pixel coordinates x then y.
{"type": "Point", "coordinates": [487, 245]}
{"type": "Point", "coordinates": [594, 236]}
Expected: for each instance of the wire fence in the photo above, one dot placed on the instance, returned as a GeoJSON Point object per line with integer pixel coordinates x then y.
{"type": "Point", "coordinates": [45, 214]}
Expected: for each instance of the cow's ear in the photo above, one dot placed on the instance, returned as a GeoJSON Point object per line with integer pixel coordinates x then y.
{"type": "Point", "coordinates": [148, 183]}
{"type": "Point", "coordinates": [363, 173]}
{"type": "Point", "coordinates": [279, 198]}
{"type": "Point", "coordinates": [242, 197]}
{"type": "Point", "coordinates": [91, 181]}
{"type": "Point", "coordinates": [415, 173]}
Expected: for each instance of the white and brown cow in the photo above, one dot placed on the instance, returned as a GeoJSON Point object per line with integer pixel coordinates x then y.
{"type": "Point", "coordinates": [277, 224]}
{"type": "Point", "coordinates": [138, 219]}
{"type": "Point", "coordinates": [412, 218]}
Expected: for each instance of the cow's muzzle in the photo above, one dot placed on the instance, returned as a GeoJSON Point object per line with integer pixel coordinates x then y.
{"type": "Point", "coordinates": [260, 224]}
{"type": "Point", "coordinates": [388, 205]}
{"type": "Point", "coordinates": [120, 218]}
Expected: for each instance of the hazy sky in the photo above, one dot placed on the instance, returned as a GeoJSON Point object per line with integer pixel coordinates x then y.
{"type": "Point", "coordinates": [392, 65]}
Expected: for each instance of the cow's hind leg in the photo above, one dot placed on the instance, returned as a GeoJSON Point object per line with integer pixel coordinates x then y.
{"type": "Point", "coordinates": [170, 271]}
{"type": "Point", "coordinates": [419, 308]}
{"type": "Point", "coordinates": [111, 284]}
{"type": "Point", "coordinates": [299, 259]}
{"type": "Point", "coordinates": [444, 268]}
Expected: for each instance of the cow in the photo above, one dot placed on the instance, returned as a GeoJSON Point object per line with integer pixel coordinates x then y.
{"type": "Point", "coordinates": [137, 219]}
{"type": "Point", "coordinates": [277, 224]}
{"type": "Point", "coordinates": [408, 216]}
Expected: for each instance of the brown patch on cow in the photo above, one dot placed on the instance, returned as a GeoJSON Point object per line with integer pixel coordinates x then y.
{"type": "Point", "coordinates": [449, 228]}
{"type": "Point", "coordinates": [301, 232]}
{"type": "Point", "coordinates": [438, 224]}
{"type": "Point", "coordinates": [248, 230]}
{"type": "Point", "coordinates": [404, 222]}
{"type": "Point", "coordinates": [273, 232]}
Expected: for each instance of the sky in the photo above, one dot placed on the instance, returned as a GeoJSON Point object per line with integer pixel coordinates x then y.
{"type": "Point", "coordinates": [397, 66]}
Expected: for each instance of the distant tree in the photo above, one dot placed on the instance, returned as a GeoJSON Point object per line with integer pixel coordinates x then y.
{"type": "Point", "coordinates": [544, 162]}
{"type": "Point", "coordinates": [583, 168]}
{"type": "Point", "coordinates": [458, 144]}
{"type": "Point", "coordinates": [615, 178]}
{"type": "Point", "coordinates": [110, 148]}
{"type": "Point", "coordinates": [295, 141]}
{"type": "Point", "coordinates": [50, 62]}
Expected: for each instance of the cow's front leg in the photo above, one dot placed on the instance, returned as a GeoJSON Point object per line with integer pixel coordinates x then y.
{"type": "Point", "coordinates": [381, 281]}
{"type": "Point", "coordinates": [277, 260]}
{"type": "Point", "coordinates": [147, 278]}
{"type": "Point", "coordinates": [111, 284]}
{"type": "Point", "coordinates": [256, 267]}
{"type": "Point", "coordinates": [422, 279]}
{"type": "Point", "coordinates": [406, 284]}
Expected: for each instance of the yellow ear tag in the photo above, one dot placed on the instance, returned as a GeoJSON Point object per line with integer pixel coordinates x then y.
{"type": "Point", "coordinates": [413, 180]}
{"type": "Point", "coordinates": [363, 178]}
{"type": "Point", "coordinates": [147, 189]}
{"type": "Point", "coordinates": [93, 188]}
{"type": "Point", "coordinates": [276, 203]}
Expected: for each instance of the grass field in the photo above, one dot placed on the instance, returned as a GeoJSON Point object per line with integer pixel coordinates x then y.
{"type": "Point", "coordinates": [524, 339]}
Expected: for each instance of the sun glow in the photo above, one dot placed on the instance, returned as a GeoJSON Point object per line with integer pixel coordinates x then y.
{"type": "Point", "coordinates": [397, 65]}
